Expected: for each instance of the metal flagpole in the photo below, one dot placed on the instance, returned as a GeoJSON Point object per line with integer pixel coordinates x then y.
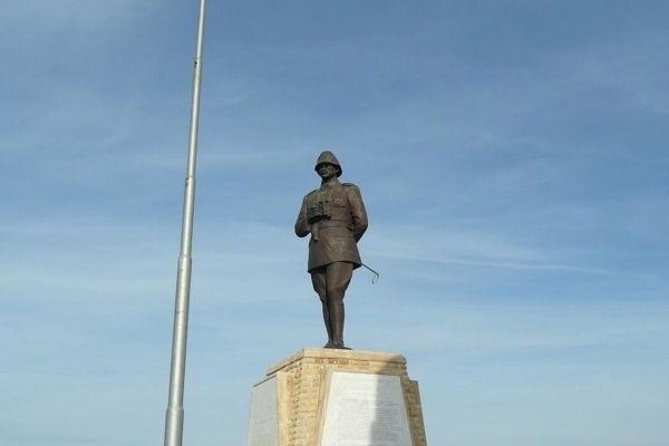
{"type": "Point", "coordinates": [175, 414]}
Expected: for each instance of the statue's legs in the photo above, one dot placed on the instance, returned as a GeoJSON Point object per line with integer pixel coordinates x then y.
{"type": "Point", "coordinates": [331, 283]}
{"type": "Point", "coordinates": [319, 282]}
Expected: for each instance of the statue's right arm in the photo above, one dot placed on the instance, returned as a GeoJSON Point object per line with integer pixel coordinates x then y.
{"type": "Point", "coordinates": [302, 224]}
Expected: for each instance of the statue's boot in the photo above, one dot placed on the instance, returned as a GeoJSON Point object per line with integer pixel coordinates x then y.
{"type": "Point", "coordinates": [337, 320]}
{"type": "Point", "coordinates": [328, 327]}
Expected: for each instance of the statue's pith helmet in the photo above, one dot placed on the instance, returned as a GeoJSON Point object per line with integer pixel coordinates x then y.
{"type": "Point", "coordinates": [329, 158]}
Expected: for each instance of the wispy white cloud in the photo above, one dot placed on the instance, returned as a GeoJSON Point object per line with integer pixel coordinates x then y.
{"type": "Point", "coordinates": [449, 245]}
{"type": "Point", "coordinates": [72, 14]}
{"type": "Point", "coordinates": [628, 65]}
{"type": "Point", "coordinates": [546, 331]}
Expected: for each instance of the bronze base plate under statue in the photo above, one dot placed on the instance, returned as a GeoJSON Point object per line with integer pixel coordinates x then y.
{"type": "Point", "coordinates": [329, 397]}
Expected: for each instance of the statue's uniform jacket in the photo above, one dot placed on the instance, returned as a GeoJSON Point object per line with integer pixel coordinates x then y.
{"type": "Point", "coordinates": [337, 235]}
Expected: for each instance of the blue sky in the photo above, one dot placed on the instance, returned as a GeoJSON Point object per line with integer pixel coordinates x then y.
{"type": "Point", "coordinates": [512, 156]}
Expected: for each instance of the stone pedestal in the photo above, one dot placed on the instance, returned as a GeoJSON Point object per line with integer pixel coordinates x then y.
{"type": "Point", "coordinates": [325, 397]}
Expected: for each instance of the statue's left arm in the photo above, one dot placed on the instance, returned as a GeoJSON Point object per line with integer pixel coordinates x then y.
{"type": "Point", "coordinates": [358, 212]}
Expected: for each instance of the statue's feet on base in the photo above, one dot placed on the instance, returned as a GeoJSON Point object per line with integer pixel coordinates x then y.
{"type": "Point", "coordinates": [336, 345]}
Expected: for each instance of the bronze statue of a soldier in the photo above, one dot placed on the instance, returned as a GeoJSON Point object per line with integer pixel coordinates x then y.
{"type": "Point", "coordinates": [335, 216]}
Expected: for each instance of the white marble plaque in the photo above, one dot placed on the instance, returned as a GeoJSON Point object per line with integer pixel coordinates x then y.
{"type": "Point", "coordinates": [365, 410]}
{"type": "Point", "coordinates": [263, 423]}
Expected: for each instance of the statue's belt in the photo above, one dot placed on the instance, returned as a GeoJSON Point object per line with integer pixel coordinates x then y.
{"type": "Point", "coordinates": [333, 224]}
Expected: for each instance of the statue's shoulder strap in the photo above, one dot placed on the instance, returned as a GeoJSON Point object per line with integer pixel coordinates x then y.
{"type": "Point", "coordinates": [312, 197]}
{"type": "Point", "coordinates": [351, 186]}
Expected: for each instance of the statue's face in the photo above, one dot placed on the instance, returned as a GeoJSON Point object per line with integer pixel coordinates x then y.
{"type": "Point", "coordinates": [327, 171]}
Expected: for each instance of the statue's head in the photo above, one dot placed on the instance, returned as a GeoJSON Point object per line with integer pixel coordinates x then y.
{"type": "Point", "coordinates": [327, 157]}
